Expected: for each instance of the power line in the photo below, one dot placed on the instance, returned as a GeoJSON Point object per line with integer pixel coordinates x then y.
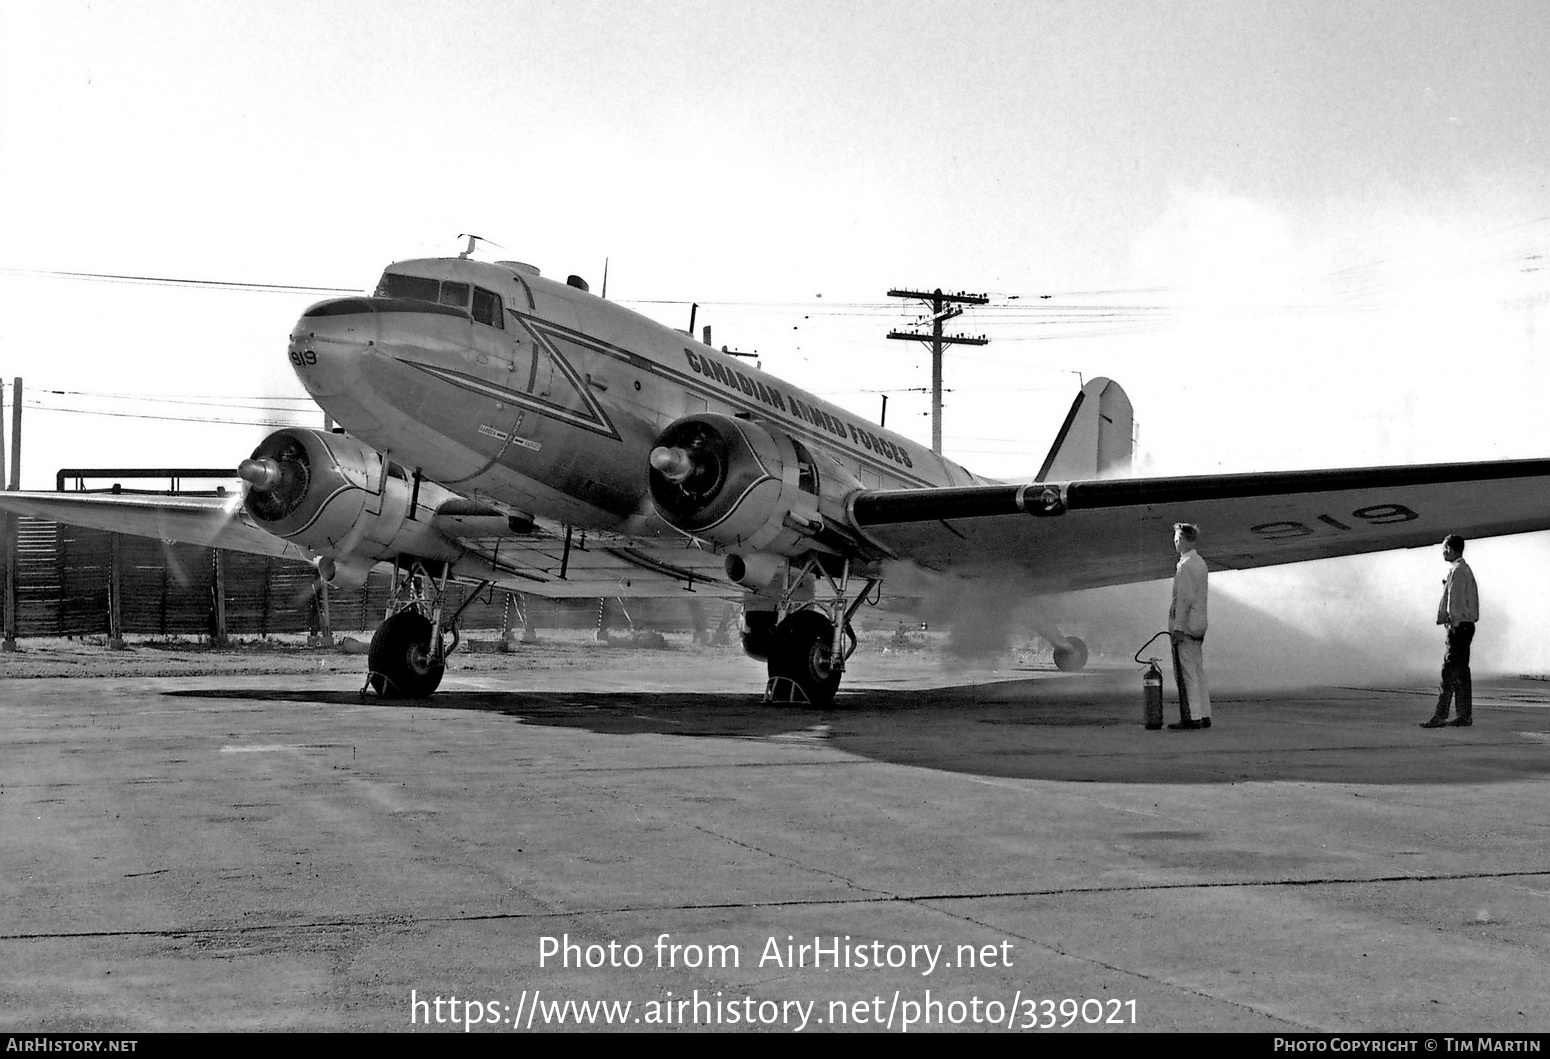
{"type": "Point", "coordinates": [166, 419]}
{"type": "Point", "coordinates": [210, 401]}
{"type": "Point", "coordinates": [172, 281]}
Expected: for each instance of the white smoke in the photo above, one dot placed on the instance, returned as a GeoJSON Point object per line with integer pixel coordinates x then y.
{"type": "Point", "coordinates": [1354, 621]}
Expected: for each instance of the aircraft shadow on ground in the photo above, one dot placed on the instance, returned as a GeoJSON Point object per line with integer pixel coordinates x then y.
{"type": "Point", "coordinates": [1077, 730]}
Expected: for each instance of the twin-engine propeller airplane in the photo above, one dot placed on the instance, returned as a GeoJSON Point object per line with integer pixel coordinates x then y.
{"type": "Point", "coordinates": [505, 429]}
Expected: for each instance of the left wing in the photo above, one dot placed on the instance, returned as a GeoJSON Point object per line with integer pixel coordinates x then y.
{"type": "Point", "coordinates": [1054, 537]}
{"type": "Point", "coordinates": [1086, 534]}
{"type": "Point", "coordinates": [545, 560]}
{"type": "Point", "coordinates": [213, 521]}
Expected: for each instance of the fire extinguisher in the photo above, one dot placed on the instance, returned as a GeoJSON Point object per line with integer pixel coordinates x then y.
{"type": "Point", "coordinates": [1151, 689]}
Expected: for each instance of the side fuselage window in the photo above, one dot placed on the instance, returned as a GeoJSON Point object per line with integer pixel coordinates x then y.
{"type": "Point", "coordinates": [487, 308]}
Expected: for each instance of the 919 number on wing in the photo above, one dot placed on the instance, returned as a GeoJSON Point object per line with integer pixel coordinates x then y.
{"type": "Point", "coordinates": [1373, 515]}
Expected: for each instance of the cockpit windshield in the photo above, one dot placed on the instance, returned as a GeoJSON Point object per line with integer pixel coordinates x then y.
{"type": "Point", "coordinates": [486, 304]}
{"type": "Point", "coordinates": [412, 288]}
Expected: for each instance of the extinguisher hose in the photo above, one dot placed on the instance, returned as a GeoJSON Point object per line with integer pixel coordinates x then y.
{"type": "Point", "coordinates": [1139, 660]}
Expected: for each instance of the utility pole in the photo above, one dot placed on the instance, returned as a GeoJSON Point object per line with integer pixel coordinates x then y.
{"type": "Point", "coordinates": [943, 308]}
{"type": "Point", "coordinates": [8, 533]}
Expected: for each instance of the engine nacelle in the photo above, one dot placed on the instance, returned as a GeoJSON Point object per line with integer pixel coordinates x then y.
{"type": "Point", "coordinates": [342, 500]}
{"type": "Point", "coordinates": [741, 483]}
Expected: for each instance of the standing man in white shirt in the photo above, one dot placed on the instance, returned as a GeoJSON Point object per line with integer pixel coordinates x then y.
{"type": "Point", "coordinates": [1187, 630]}
{"type": "Point", "coordinates": [1459, 610]}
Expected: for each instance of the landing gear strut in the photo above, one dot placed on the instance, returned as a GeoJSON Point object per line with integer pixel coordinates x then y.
{"type": "Point", "coordinates": [813, 639]}
{"type": "Point", "coordinates": [409, 650]}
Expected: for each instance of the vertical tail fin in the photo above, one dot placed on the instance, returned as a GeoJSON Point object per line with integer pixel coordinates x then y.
{"type": "Point", "coordinates": [1096, 438]}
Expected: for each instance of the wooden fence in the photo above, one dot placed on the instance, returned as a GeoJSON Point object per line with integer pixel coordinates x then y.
{"type": "Point", "coordinates": [64, 576]}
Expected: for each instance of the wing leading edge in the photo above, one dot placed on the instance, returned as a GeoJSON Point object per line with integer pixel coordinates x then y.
{"type": "Point", "coordinates": [1087, 534]}
{"type": "Point", "coordinates": [215, 522]}
{"type": "Point", "coordinates": [543, 560]}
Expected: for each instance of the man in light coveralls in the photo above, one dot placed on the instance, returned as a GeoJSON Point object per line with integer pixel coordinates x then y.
{"type": "Point", "coordinates": [1187, 629]}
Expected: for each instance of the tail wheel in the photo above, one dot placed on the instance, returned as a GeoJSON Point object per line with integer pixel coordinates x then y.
{"type": "Point", "coordinates": [401, 660]}
{"type": "Point", "coordinates": [803, 651]}
{"type": "Point", "coordinates": [1070, 656]}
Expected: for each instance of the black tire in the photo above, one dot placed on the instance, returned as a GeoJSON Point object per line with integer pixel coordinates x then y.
{"type": "Point", "coordinates": [759, 633]}
{"type": "Point", "coordinates": [1071, 656]}
{"type": "Point", "coordinates": [803, 651]}
{"type": "Point", "coordinates": [400, 660]}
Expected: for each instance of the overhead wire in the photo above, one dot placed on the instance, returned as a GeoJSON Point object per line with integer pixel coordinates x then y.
{"type": "Point", "coordinates": [1015, 317]}
{"type": "Point", "coordinates": [223, 421]}
{"type": "Point", "coordinates": [1024, 316]}
{"type": "Point", "coordinates": [243, 403]}
{"type": "Point", "coordinates": [173, 281]}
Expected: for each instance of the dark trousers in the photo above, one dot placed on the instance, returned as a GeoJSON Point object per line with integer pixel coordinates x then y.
{"type": "Point", "coordinates": [1457, 685]}
{"type": "Point", "coordinates": [1178, 682]}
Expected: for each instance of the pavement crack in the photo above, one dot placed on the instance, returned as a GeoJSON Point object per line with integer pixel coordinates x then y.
{"type": "Point", "coordinates": [868, 897]}
{"type": "Point", "coordinates": [1130, 972]}
{"type": "Point", "coordinates": [790, 861]}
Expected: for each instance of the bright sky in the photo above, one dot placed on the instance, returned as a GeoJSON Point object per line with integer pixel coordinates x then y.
{"type": "Point", "coordinates": [1301, 234]}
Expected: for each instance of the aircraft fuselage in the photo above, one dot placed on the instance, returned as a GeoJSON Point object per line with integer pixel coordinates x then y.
{"type": "Point", "coordinates": [543, 398]}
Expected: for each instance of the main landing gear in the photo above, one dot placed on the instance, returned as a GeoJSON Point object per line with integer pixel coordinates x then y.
{"type": "Point", "coordinates": [407, 657]}
{"type": "Point", "coordinates": [811, 640]}
{"type": "Point", "coordinates": [409, 651]}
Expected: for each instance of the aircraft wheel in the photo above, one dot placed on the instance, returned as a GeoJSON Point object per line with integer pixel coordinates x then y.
{"type": "Point", "coordinates": [803, 651]}
{"type": "Point", "coordinates": [1071, 656]}
{"type": "Point", "coordinates": [758, 633]}
{"type": "Point", "coordinates": [401, 662]}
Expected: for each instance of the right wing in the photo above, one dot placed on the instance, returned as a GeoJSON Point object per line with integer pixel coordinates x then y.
{"type": "Point", "coordinates": [1064, 536]}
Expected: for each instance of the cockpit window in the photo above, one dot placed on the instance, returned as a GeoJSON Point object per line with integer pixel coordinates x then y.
{"type": "Point", "coordinates": [412, 287]}
{"type": "Point", "coordinates": [487, 308]}
{"type": "Point", "coordinates": [439, 292]}
{"type": "Point", "coordinates": [486, 304]}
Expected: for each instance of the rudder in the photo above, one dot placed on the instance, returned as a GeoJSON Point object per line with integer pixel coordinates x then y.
{"type": "Point", "coordinates": [1096, 440]}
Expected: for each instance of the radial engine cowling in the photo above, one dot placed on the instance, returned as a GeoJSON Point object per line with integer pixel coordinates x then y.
{"type": "Point", "coordinates": [342, 500]}
{"type": "Point", "coordinates": [736, 482]}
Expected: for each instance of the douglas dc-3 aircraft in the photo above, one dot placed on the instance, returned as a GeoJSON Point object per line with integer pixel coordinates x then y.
{"type": "Point", "coordinates": [501, 428]}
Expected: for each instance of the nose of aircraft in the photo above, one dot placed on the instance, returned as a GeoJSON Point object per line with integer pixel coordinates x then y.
{"type": "Point", "coordinates": [333, 341]}
{"type": "Point", "coordinates": [328, 341]}
{"type": "Point", "coordinates": [350, 354]}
